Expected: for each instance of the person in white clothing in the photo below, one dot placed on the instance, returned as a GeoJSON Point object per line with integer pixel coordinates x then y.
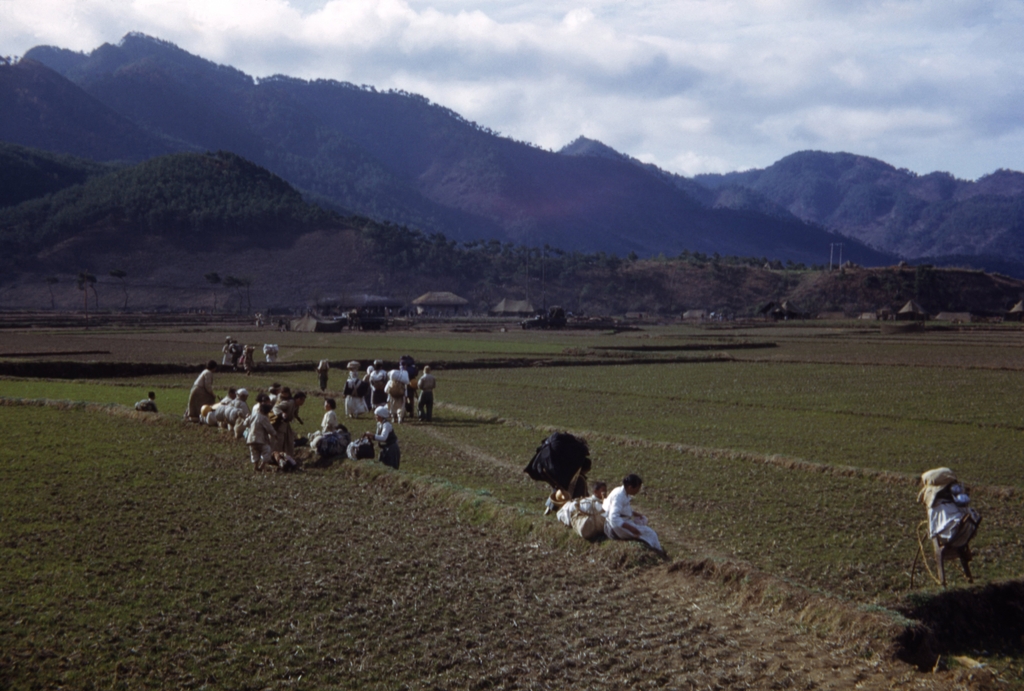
{"type": "Point", "coordinates": [390, 454]}
{"type": "Point", "coordinates": [355, 391]}
{"type": "Point", "coordinates": [258, 436]}
{"type": "Point", "coordinates": [330, 421]}
{"type": "Point", "coordinates": [229, 399]}
{"type": "Point", "coordinates": [621, 521]}
{"type": "Point", "coordinates": [241, 403]}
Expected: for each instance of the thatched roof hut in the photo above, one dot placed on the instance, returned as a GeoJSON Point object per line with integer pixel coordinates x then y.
{"type": "Point", "coordinates": [439, 301]}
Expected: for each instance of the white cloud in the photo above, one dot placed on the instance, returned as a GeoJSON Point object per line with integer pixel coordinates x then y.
{"type": "Point", "coordinates": [692, 85]}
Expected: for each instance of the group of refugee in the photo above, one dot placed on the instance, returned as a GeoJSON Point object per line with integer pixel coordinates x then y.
{"type": "Point", "coordinates": [242, 357]}
{"type": "Point", "coordinates": [397, 390]}
{"type": "Point", "coordinates": [267, 426]}
{"type": "Point", "coordinates": [562, 460]}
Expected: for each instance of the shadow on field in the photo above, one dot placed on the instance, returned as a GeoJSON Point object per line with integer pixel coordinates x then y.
{"type": "Point", "coordinates": [962, 621]}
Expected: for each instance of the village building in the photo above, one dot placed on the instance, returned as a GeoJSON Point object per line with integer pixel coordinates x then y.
{"type": "Point", "coordinates": [911, 312]}
{"type": "Point", "coordinates": [512, 308]}
{"type": "Point", "coordinates": [440, 304]}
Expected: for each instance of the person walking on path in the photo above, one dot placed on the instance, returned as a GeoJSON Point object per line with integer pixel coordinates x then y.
{"type": "Point", "coordinates": [425, 404]}
{"type": "Point", "coordinates": [321, 370]}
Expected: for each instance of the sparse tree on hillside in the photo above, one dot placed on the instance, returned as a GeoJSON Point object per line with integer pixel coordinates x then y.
{"type": "Point", "coordinates": [120, 274]}
{"type": "Point", "coordinates": [239, 283]}
{"type": "Point", "coordinates": [51, 281]}
{"type": "Point", "coordinates": [84, 282]}
{"type": "Point", "coordinates": [213, 278]}
{"type": "Point", "coordinates": [247, 284]}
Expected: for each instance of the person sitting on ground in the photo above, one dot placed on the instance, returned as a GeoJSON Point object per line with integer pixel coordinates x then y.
{"type": "Point", "coordinates": [147, 405]}
{"type": "Point", "coordinates": [390, 454]}
{"type": "Point", "coordinates": [322, 370]}
{"type": "Point", "coordinates": [330, 421]}
{"type": "Point", "coordinates": [621, 522]}
{"type": "Point", "coordinates": [258, 436]}
{"type": "Point", "coordinates": [230, 398]}
{"type": "Point", "coordinates": [426, 386]}
{"type": "Point", "coordinates": [586, 515]}
{"type": "Point", "coordinates": [201, 393]}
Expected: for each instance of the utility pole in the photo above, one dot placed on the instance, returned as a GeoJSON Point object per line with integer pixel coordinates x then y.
{"type": "Point", "coordinates": [831, 249]}
{"type": "Point", "coordinates": [543, 292]}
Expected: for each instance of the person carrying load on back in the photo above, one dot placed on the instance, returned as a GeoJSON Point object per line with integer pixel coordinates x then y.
{"type": "Point", "coordinates": [586, 515]}
{"type": "Point", "coordinates": [621, 521]}
{"type": "Point", "coordinates": [321, 371]}
{"type": "Point", "coordinates": [201, 393]}
{"type": "Point", "coordinates": [563, 462]}
{"type": "Point", "coordinates": [147, 405]}
{"type": "Point", "coordinates": [377, 377]}
{"type": "Point", "coordinates": [952, 523]}
{"type": "Point", "coordinates": [245, 361]}
{"type": "Point", "coordinates": [285, 410]}
{"type": "Point", "coordinates": [398, 380]}
{"type": "Point", "coordinates": [355, 392]}
{"type": "Point", "coordinates": [390, 454]}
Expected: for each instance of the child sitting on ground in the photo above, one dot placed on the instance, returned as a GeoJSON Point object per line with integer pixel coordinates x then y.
{"type": "Point", "coordinates": [330, 421]}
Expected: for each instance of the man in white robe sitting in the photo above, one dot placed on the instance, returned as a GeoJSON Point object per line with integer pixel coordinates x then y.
{"type": "Point", "coordinates": [621, 522]}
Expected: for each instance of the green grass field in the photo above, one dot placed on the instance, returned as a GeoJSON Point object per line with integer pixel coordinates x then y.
{"type": "Point", "coordinates": [756, 459]}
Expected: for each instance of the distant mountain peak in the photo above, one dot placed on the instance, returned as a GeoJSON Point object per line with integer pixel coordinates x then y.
{"type": "Point", "coordinates": [583, 146]}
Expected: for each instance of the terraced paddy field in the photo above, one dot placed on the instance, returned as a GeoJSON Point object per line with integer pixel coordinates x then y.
{"type": "Point", "coordinates": [782, 480]}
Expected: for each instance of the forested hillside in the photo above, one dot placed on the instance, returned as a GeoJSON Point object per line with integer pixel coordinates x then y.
{"type": "Point", "coordinates": [195, 201]}
{"type": "Point", "coordinates": [214, 231]}
{"type": "Point", "coordinates": [894, 209]}
{"type": "Point", "coordinates": [29, 173]}
{"type": "Point", "coordinates": [397, 157]}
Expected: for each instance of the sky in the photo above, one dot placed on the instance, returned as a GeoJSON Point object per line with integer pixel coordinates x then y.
{"type": "Point", "coordinates": [693, 86]}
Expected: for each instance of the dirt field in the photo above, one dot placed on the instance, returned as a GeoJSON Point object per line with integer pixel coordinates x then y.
{"type": "Point", "coordinates": [180, 568]}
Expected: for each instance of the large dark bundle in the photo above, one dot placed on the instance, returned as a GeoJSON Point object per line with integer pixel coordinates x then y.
{"type": "Point", "coordinates": [563, 462]}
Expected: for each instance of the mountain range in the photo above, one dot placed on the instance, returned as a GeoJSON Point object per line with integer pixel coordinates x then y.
{"type": "Point", "coordinates": [394, 156]}
{"type": "Point", "coordinates": [386, 155]}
